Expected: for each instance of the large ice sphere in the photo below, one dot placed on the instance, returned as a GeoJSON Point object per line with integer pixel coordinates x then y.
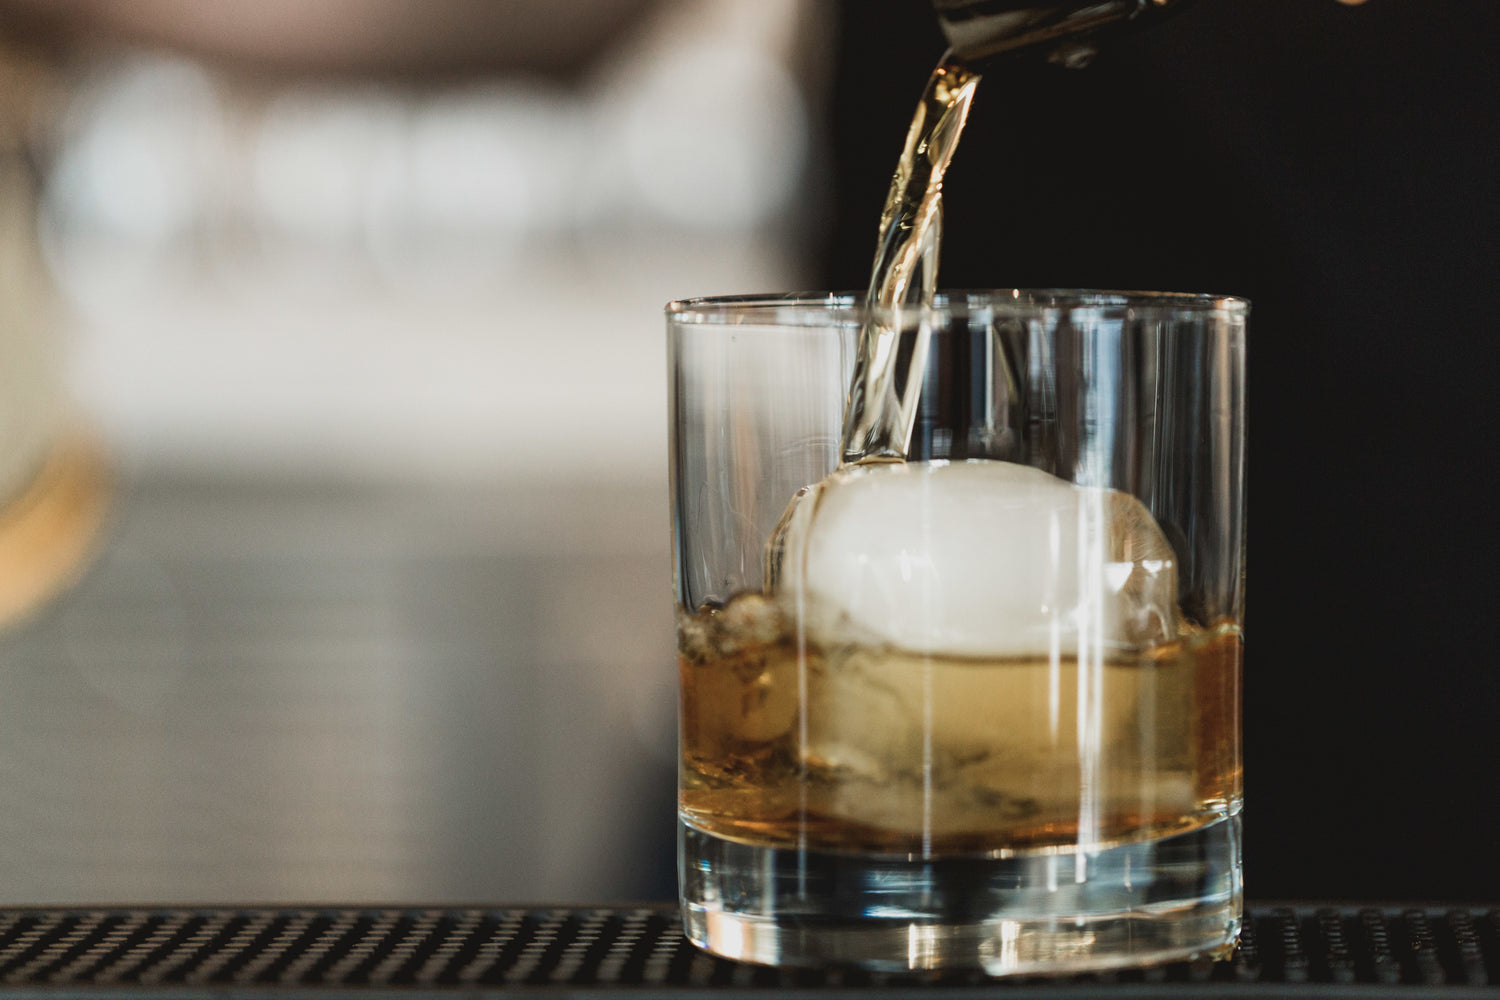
{"type": "Point", "coordinates": [977, 558]}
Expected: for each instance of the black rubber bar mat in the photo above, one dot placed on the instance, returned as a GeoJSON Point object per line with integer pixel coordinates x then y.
{"type": "Point", "coordinates": [1303, 950]}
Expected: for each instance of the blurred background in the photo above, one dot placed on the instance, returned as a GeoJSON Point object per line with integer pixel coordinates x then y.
{"type": "Point", "coordinates": [333, 513]}
{"type": "Point", "coordinates": [361, 301]}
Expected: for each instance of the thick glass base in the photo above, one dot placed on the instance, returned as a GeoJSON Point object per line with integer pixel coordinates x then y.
{"type": "Point", "coordinates": [1131, 904]}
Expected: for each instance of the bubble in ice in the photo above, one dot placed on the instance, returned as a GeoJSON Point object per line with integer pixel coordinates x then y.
{"type": "Point", "coordinates": [976, 558]}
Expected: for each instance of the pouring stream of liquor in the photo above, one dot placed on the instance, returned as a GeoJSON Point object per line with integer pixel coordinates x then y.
{"type": "Point", "coordinates": [880, 409]}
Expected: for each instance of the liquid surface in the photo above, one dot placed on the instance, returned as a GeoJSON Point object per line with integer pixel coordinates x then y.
{"type": "Point", "coordinates": [874, 749]}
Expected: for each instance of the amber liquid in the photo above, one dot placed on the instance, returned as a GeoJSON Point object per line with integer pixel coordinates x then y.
{"type": "Point", "coordinates": [846, 799]}
{"type": "Point", "coordinates": [878, 750]}
{"type": "Point", "coordinates": [789, 743]}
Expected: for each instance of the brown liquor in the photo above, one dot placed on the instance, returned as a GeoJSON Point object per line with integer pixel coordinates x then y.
{"type": "Point", "coordinates": [860, 748]}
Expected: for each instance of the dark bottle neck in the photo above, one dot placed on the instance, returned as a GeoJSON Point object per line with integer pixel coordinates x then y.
{"type": "Point", "coordinates": [980, 30]}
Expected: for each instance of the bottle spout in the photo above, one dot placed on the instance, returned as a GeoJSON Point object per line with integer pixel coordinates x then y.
{"type": "Point", "coordinates": [980, 30]}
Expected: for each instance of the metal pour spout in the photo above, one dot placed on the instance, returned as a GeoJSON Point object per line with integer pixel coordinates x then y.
{"type": "Point", "coordinates": [979, 30]}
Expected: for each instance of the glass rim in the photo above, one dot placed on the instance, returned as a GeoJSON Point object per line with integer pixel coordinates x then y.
{"type": "Point", "coordinates": [722, 308]}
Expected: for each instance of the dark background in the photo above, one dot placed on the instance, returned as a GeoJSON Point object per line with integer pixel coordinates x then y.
{"type": "Point", "coordinates": [1338, 166]}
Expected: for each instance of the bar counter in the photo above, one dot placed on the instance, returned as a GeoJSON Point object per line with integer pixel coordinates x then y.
{"type": "Point", "coordinates": [1285, 950]}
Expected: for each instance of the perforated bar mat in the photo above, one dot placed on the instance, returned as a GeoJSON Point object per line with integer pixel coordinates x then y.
{"type": "Point", "coordinates": [1305, 950]}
